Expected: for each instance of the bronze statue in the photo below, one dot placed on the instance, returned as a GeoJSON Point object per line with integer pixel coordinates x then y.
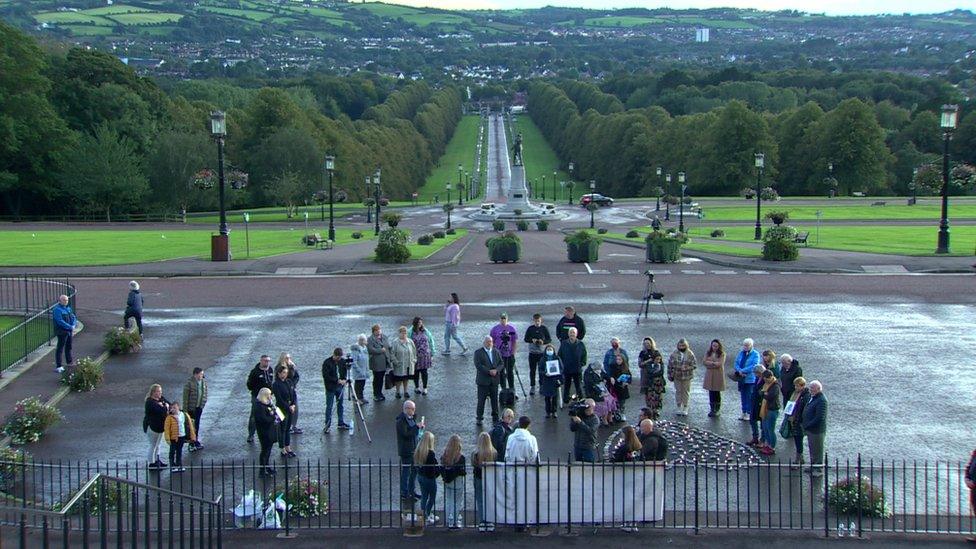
{"type": "Point", "coordinates": [517, 150]}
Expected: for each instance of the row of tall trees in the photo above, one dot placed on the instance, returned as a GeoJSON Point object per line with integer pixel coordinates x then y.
{"type": "Point", "coordinates": [857, 145]}
{"type": "Point", "coordinates": [81, 133]}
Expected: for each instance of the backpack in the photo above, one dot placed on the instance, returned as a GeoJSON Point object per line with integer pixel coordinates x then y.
{"type": "Point", "coordinates": [507, 397]}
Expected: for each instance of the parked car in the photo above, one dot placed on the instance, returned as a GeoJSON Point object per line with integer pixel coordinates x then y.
{"type": "Point", "coordinates": [596, 198]}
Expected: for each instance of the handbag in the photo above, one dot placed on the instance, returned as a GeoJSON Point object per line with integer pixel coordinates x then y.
{"type": "Point", "coordinates": [786, 429]}
{"type": "Point", "coordinates": [736, 376]}
{"type": "Point", "coordinates": [388, 381]}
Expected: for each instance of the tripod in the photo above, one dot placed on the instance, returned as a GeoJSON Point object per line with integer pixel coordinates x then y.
{"type": "Point", "coordinates": [355, 399]}
{"type": "Point", "coordinates": [649, 294]}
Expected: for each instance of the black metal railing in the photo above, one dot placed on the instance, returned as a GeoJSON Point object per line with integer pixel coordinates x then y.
{"type": "Point", "coordinates": [895, 496]}
{"type": "Point", "coordinates": [29, 299]}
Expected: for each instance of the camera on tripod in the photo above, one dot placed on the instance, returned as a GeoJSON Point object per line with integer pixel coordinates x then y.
{"type": "Point", "coordinates": [506, 339]}
{"type": "Point", "coordinates": [348, 361]}
{"type": "Point", "coordinates": [651, 293]}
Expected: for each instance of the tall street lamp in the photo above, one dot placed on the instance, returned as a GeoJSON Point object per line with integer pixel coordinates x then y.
{"type": "Point", "coordinates": [553, 185]}
{"type": "Point", "coordinates": [220, 243]}
{"type": "Point", "coordinates": [448, 187]}
{"type": "Point", "coordinates": [376, 197]}
{"type": "Point", "coordinates": [912, 186]}
{"type": "Point", "coordinates": [760, 164]}
{"type": "Point", "coordinates": [667, 203]}
{"type": "Point", "coordinates": [681, 205]}
{"type": "Point", "coordinates": [543, 186]}
{"type": "Point", "coordinates": [460, 184]}
{"type": "Point", "coordinates": [571, 167]}
{"type": "Point", "coordinates": [369, 207]}
{"type": "Point", "coordinates": [657, 205]}
{"type": "Point", "coordinates": [330, 168]}
{"type": "Point", "coordinates": [949, 113]}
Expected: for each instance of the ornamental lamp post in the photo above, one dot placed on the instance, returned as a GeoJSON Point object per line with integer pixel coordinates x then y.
{"type": "Point", "coordinates": [369, 208]}
{"type": "Point", "coordinates": [681, 205]}
{"type": "Point", "coordinates": [553, 185]}
{"type": "Point", "coordinates": [667, 203]}
{"type": "Point", "coordinates": [220, 243]}
{"type": "Point", "coordinates": [448, 187]}
{"type": "Point", "coordinates": [657, 205]}
{"type": "Point", "coordinates": [760, 164]}
{"type": "Point", "coordinates": [948, 123]}
{"type": "Point", "coordinates": [247, 236]}
{"type": "Point", "coordinates": [543, 186]}
{"type": "Point", "coordinates": [912, 186]}
{"type": "Point", "coordinates": [376, 197]}
{"type": "Point", "coordinates": [460, 184]}
{"type": "Point", "coordinates": [571, 167]}
{"type": "Point", "coordinates": [330, 168]}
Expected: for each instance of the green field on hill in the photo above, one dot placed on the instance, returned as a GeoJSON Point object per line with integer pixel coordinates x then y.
{"type": "Point", "coordinates": [622, 21]}
{"type": "Point", "coordinates": [460, 150]}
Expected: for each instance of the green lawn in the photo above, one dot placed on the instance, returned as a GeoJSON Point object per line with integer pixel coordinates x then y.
{"type": "Point", "coordinates": [7, 322]}
{"type": "Point", "coordinates": [117, 247]}
{"type": "Point", "coordinates": [277, 214]}
{"type": "Point", "coordinates": [460, 150]}
{"type": "Point", "coordinates": [145, 18]}
{"type": "Point", "coordinates": [899, 240]}
{"type": "Point", "coordinates": [717, 247]}
{"type": "Point", "coordinates": [539, 160]}
{"type": "Point", "coordinates": [621, 21]}
{"type": "Point", "coordinates": [718, 214]}
{"type": "Point", "coordinates": [88, 30]}
{"type": "Point", "coordinates": [72, 17]}
{"type": "Point", "coordinates": [14, 346]}
{"type": "Point", "coordinates": [251, 15]}
{"type": "Point", "coordinates": [418, 251]}
{"type": "Point", "coordinates": [115, 10]}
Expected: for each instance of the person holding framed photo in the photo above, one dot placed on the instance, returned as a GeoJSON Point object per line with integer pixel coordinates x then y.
{"type": "Point", "coordinates": [551, 373]}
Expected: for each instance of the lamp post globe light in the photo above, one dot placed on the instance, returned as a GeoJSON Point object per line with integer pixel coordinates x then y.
{"type": "Point", "coordinates": [657, 205]}
{"type": "Point", "coordinates": [571, 167]}
{"type": "Point", "coordinates": [460, 184]}
{"type": "Point", "coordinates": [667, 203]}
{"type": "Point", "coordinates": [330, 168]}
{"type": "Point", "coordinates": [760, 164]}
{"type": "Point", "coordinates": [948, 123]}
{"type": "Point", "coordinates": [681, 204]}
{"type": "Point", "coordinates": [376, 197]}
{"type": "Point", "coordinates": [220, 243]}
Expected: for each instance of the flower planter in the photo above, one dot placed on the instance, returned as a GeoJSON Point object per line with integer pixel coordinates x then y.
{"type": "Point", "coordinates": [504, 252]}
{"type": "Point", "coordinates": [663, 250]}
{"type": "Point", "coordinates": [586, 252]}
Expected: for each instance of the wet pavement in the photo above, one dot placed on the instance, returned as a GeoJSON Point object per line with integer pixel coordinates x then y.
{"type": "Point", "coordinates": [890, 365]}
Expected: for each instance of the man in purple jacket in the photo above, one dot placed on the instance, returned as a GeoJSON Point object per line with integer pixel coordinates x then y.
{"type": "Point", "coordinates": [505, 338]}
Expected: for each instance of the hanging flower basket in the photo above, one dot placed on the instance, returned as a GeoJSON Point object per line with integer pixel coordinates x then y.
{"type": "Point", "coordinates": [238, 179]}
{"type": "Point", "coordinates": [204, 179]}
{"type": "Point", "coordinates": [320, 197]}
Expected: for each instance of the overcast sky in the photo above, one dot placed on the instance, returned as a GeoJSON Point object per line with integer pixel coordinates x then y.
{"type": "Point", "coordinates": [830, 7]}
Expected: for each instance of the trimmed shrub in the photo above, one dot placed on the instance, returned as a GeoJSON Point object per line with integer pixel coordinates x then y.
{"type": "Point", "coordinates": [31, 418]}
{"type": "Point", "coordinates": [120, 341]}
{"type": "Point", "coordinates": [851, 496]}
{"type": "Point", "coordinates": [632, 234]}
{"type": "Point", "coordinates": [542, 225]}
{"type": "Point", "coordinates": [506, 247]}
{"type": "Point", "coordinates": [517, 211]}
{"type": "Point", "coordinates": [498, 225]}
{"type": "Point", "coordinates": [449, 231]}
{"type": "Point", "coordinates": [778, 249]}
{"type": "Point", "coordinates": [718, 233]}
{"type": "Point", "coordinates": [440, 234]}
{"type": "Point", "coordinates": [83, 376]}
{"type": "Point", "coordinates": [425, 239]}
{"type": "Point", "coordinates": [392, 246]}
{"type": "Point", "coordinates": [601, 230]}
{"type": "Point", "coordinates": [748, 193]}
{"type": "Point", "coordinates": [522, 226]}
{"type": "Point", "coordinates": [357, 235]}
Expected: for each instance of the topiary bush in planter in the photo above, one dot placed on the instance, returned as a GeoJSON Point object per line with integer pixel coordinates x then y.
{"type": "Point", "coordinates": [769, 194]}
{"type": "Point", "coordinates": [30, 419]}
{"type": "Point", "coordinates": [542, 225]}
{"type": "Point", "coordinates": [632, 234]}
{"type": "Point", "coordinates": [522, 226]}
{"type": "Point", "coordinates": [392, 246]}
{"type": "Point", "coordinates": [582, 247]}
{"type": "Point", "coordinates": [718, 233]}
{"type": "Point", "coordinates": [506, 248]}
{"type": "Point", "coordinates": [779, 244]}
{"type": "Point", "coordinates": [498, 225]}
{"type": "Point", "coordinates": [12, 461]}
{"type": "Point", "coordinates": [664, 247]}
{"type": "Point", "coordinates": [852, 496]}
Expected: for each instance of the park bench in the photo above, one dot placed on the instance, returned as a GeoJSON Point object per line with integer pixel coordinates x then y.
{"type": "Point", "coordinates": [879, 203]}
{"type": "Point", "coordinates": [316, 240]}
{"type": "Point", "coordinates": [801, 238]}
{"type": "Point", "coordinates": [858, 194]}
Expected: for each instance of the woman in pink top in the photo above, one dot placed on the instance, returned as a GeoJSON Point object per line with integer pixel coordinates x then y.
{"type": "Point", "coordinates": [452, 317]}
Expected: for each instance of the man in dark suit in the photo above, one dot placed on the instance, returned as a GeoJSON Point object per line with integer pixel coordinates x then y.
{"type": "Point", "coordinates": [488, 363]}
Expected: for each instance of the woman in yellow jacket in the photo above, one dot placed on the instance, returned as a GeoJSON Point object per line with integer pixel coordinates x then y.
{"type": "Point", "coordinates": [178, 429]}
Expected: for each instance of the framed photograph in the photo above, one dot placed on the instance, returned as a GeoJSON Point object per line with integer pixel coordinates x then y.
{"type": "Point", "coordinates": [790, 406]}
{"type": "Point", "coordinates": [552, 368]}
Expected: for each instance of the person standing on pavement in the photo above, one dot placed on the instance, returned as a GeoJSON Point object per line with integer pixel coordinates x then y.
{"type": "Point", "coordinates": [133, 307]}
{"type": "Point", "coordinates": [64, 328]}
{"type": "Point", "coordinates": [284, 359]}
{"type": "Point", "coordinates": [407, 434]}
{"type": "Point", "coordinates": [971, 484]}
{"type": "Point", "coordinates": [584, 433]}
{"type": "Point", "coordinates": [537, 336]}
{"type": "Point", "coordinates": [522, 446]}
{"type": "Point", "coordinates": [378, 347]}
{"type": "Point", "coordinates": [609, 357]}
{"type": "Point", "coordinates": [403, 357]}
{"type": "Point", "coordinates": [652, 376]}
{"type": "Point", "coordinates": [570, 320]}
{"type": "Point", "coordinates": [755, 421]}
{"type": "Point", "coordinates": [815, 426]}
{"type": "Point", "coordinates": [745, 365]}
{"type": "Point", "coordinates": [284, 393]}
{"type": "Point", "coordinates": [549, 383]}
{"type": "Point", "coordinates": [425, 459]}
{"type": "Point", "coordinates": [714, 381]}
{"type": "Point", "coordinates": [505, 338]}
{"type": "Point", "coordinates": [800, 397]}
{"type": "Point", "coordinates": [681, 370]}
{"type": "Point", "coordinates": [266, 425]}
{"type": "Point", "coordinates": [769, 412]}
{"type": "Point", "coordinates": [334, 375]}
{"type": "Point", "coordinates": [769, 361]}
{"type": "Point", "coordinates": [360, 368]}
{"type": "Point", "coordinates": [194, 399]}
{"type": "Point", "coordinates": [453, 471]}
{"type": "Point", "coordinates": [154, 422]}
{"type": "Point", "coordinates": [789, 371]}
{"type": "Point", "coordinates": [424, 344]}
{"type": "Point", "coordinates": [260, 377]}
{"type": "Point", "coordinates": [485, 453]}
{"type": "Point", "coordinates": [179, 430]}
{"type": "Point", "coordinates": [628, 448]}
{"type": "Point", "coordinates": [452, 319]}
{"type": "Point", "coordinates": [487, 364]}
{"type": "Point", "coordinates": [618, 378]}
{"type": "Point", "coordinates": [572, 354]}
{"type": "Point", "coordinates": [501, 430]}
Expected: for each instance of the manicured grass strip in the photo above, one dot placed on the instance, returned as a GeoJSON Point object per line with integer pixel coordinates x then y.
{"type": "Point", "coordinates": [118, 247]}
{"type": "Point", "coordinates": [14, 346]}
{"type": "Point", "coordinates": [541, 160]}
{"type": "Point", "coordinates": [717, 214]}
{"type": "Point", "coordinates": [7, 322]}
{"type": "Point", "coordinates": [277, 214]}
{"type": "Point", "coordinates": [900, 240]}
{"type": "Point", "coordinates": [460, 150]}
{"type": "Point", "coordinates": [716, 248]}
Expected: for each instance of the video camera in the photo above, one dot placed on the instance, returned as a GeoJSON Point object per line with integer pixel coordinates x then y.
{"type": "Point", "coordinates": [578, 408]}
{"type": "Point", "coordinates": [348, 361]}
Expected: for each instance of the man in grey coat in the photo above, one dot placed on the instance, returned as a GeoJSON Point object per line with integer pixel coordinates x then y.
{"type": "Point", "coordinates": [488, 363]}
{"type": "Point", "coordinates": [378, 347]}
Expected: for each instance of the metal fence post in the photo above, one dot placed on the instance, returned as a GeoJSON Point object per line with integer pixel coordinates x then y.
{"type": "Point", "coordinates": [826, 495]}
{"type": "Point", "coordinates": [696, 495]}
{"type": "Point", "coordinates": [860, 514]}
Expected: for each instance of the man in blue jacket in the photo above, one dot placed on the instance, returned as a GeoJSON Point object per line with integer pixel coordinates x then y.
{"type": "Point", "coordinates": [745, 364]}
{"type": "Point", "coordinates": [64, 326]}
{"type": "Point", "coordinates": [133, 306]}
{"type": "Point", "coordinates": [815, 426]}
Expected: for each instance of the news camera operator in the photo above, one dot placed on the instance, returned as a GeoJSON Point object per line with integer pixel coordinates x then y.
{"type": "Point", "coordinates": [505, 338]}
{"type": "Point", "coordinates": [584, 427]}
{"type": "Point", "coordinates": [334, 373]}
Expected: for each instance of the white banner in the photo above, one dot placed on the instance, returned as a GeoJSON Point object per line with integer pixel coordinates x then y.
{"type": "Point", "coordinates": [578, 493]}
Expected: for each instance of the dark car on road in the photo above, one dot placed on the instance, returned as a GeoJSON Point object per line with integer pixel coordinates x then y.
{"type": "Point", "coordinates": [596, 198]}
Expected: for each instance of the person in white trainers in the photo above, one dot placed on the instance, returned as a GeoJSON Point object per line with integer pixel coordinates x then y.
{"type": "Point", "coordinates": [681, 370]}
{"type": "Point", "coordinates": [745, 364]}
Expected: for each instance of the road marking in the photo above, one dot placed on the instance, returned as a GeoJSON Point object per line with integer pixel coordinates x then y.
{"type": "Point", "coordinates": [450, 274]}
{"type": "Point", "coordinates": [425, 274]}
{"type": "Point", "coordinates": [884, 268]}
{"type": "Point", "coordinates": [400, 274]}
{"type": "Point", "coordinates": [588, 269]}
{"type": "Point", "coordinates": [723, 272]}
{"type": "Point", "coordinates": [661, 272]}
{"type": "Point", "coordinates": [599, 272]}
{"type": "Point", "coordinates": [790, 272]}
{"type": "Point", "coordinates": [296, 270]}
{"type": "Point", "coordinates": [757, 272]}
{"type": "Point", "coordinates": [621, 255]}
{"type": "Point", "coordinates": [528, 273]}
{"type": "Point", "coordinates": [474, 273]}
{"type": "Point", "coordinates": [692, 272]}
{"type": "Point", "coordinates": [628, 271]}
{"type": "Point", "coordinates": [580, 272]}
{"type": "Point", "coordinates": [501, 273]}
{"type": "Point", "coordinates": [555, 273]}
